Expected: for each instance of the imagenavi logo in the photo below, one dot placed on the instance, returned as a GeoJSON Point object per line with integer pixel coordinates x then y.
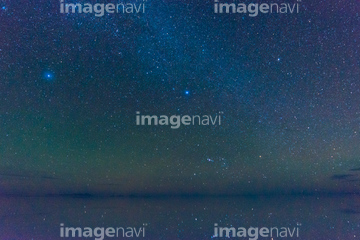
{"type": "Point", "coordinates": [253, 9]}
{"type": "Point", "coordinates": [99, 233]}
{"type": "Point", "coordinates": [177, 120]}
{"type": "Point", "coordinates": [253, 233]}
{"type": "Point", "coordinates": [99, 9]}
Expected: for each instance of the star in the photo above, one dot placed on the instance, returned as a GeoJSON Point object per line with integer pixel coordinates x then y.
{"type": "Point", "coordinates": [49, 76]}
{"type": "Point", "coordinates": [187, 92]}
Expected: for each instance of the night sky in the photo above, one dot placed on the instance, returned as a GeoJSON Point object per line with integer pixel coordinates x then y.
{"type": "Point", "coordinates": [288, 87]}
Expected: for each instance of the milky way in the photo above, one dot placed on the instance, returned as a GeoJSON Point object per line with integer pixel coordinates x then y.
{"type": "Point", "coordinates": [287, 85]}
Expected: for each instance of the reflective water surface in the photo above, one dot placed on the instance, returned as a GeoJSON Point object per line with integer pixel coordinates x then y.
{"type": "Point", "coordinates": [325, 217]}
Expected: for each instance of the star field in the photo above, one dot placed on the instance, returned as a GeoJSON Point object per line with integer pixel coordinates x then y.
{"type": "Point", "coordinates": [288, 87]}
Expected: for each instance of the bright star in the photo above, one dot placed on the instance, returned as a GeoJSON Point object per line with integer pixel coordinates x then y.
{"type": "Point", "coordinates": [187, 92]}
{"type": "Point", "coordinates": [48, 76]}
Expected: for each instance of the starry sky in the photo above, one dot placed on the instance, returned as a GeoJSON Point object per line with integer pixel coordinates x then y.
{"type": "Point", "coordinates": [288, 87]}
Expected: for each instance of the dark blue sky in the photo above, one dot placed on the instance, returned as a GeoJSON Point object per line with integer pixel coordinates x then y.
{"type": "Point", "coordinates": [287, 84]}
